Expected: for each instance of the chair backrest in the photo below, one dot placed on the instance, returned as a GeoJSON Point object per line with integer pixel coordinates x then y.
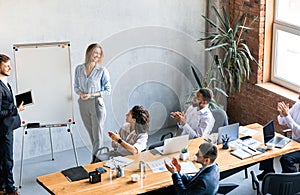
{"type": "Point", "coordinates": [281, 183]}
{"type": "Point", "coordinates": [221, 119]}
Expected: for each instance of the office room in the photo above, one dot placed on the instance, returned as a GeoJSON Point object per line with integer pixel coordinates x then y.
{"type": "Point", "coordinates": [149, 49]}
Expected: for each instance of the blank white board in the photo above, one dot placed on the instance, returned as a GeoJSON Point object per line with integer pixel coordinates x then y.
{"type": "Point", "coordinates": [45, 69]}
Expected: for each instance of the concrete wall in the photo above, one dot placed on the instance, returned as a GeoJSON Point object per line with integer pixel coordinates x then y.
{"type": "Point", "coordinates": [148, 45]}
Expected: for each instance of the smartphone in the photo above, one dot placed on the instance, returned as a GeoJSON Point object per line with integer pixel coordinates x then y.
{"type": "Point", "coordinates": [245, 137]}
{"type": "Point", "coordinates": [101, 170]}
{"type": "Point", "coordinates": [261, 150]}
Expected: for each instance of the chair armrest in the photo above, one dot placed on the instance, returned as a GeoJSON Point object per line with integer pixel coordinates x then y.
{"type": "Point", "coordinates": [255, 183]}
{"type": "Point", "coordinates": [164, 135]}
{"type": "Point", "coordinates": [103, 148]}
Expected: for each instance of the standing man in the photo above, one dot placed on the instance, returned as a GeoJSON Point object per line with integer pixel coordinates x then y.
{"type": "Point", "coordinates": [9, 120]}
{"type": "Point", "coordinates": [198, 120]}
{"type": "Point", "coordinates": [206, 181]}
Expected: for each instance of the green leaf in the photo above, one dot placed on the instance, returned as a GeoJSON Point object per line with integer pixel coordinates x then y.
{"type": "Point", "coordinates": [213, 24]}
{"type": "Point", "coordinates": [215, 47]}
{"type": "Point", "coordinates": [219, 17]}
{"type": "Point", "coordinates": [196, 77]}
{"type": "Point", "coordinates": [226, 18]}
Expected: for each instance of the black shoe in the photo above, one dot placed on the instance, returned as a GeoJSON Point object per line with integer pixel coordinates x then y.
{"type": "Point", "coordinates": [261, 176]}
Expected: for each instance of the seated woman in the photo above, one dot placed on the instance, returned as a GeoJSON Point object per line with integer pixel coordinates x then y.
{"type": "Point", "coordinates": [133, 135]}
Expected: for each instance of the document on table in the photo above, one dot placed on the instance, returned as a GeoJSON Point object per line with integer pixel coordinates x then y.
{"type": "Point", "coordinates": [247, 131]}
{"type": "Point", "coordinates": [188, 167]}
{"type": "Point", "coordinates": [119, 160]}
{"type": "Point", "coordinates": [158, 166]}
{"type": "Point", "coordinates": [244, 150]}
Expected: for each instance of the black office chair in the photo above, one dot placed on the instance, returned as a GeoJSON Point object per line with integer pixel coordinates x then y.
{"type": "Point", "coordinates": [161, 142]}
{"type": "Point", "coordinates": [277, 183]}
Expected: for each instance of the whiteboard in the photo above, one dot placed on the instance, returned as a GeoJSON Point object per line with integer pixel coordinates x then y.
{"type": "Point", "coordinates": [45, 69]}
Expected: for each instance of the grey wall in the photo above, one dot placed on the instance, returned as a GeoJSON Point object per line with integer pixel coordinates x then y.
{"type": "Point", "coordinates": [149, 46]}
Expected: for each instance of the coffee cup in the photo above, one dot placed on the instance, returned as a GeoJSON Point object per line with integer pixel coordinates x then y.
{"type": "Point", "coordinates": [270, 146]}
{"type": "Point", "coordinates": [135, 177]}
{"type": "Point", "coordinates": [233, 147]}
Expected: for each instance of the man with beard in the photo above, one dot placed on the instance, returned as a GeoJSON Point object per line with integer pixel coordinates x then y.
{"type": "Point", "coordinates": [9, 120]}
{"type": "Point", "coordinates": [206, 181]}
{"type": "Point", "coordinates": [198, 120]}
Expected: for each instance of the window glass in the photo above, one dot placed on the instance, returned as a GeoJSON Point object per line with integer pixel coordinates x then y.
{"type": "Point", "coordinates": [288, 11]}
{"type": "Point", "coordinates": [286, 62]}
{"type": "Point", "coordinates": [286, 44]}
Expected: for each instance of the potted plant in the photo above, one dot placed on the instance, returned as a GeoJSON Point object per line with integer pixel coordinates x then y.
{"type": "Point", "coordinates": [231, 53]}
{"type": "Point", "coordinates": [210, 81]}
{"type": "Point", "coordinates": [184, 154]}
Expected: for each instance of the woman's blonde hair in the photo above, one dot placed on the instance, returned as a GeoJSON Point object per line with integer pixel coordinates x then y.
{"type": "Point", "coordinates": [89, 52]}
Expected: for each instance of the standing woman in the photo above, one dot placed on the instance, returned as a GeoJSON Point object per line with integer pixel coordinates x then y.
{"type": "Point", "coordinates": [91, 84]}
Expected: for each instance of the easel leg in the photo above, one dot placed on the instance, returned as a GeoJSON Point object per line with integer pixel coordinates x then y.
{"type": "Point", "coordinates": [22, 155]}
{"type": "Point", "coordinates": [51, 143]}
{"type": "Point", "coordinates": [74, 149]}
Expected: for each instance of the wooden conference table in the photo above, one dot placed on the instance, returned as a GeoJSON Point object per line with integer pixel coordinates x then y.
{"type": "Point", "coordinates": [57, 183]}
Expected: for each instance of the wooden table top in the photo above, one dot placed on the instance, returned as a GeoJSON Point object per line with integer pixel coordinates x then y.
{"type": "Point", "coordinates": [56, 183]}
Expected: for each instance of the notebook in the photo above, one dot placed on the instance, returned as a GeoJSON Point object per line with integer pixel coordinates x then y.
{"type": "Point", "coordinates": [232, 131]}
{"type": "Point", "coordinates": [25, 97]}
{"type": "Point", "coordinates": [172, 145]}
{"type": "Point", "coordinates": [270, 137]}
{"type": "Point", "coordinates": [75, 173]}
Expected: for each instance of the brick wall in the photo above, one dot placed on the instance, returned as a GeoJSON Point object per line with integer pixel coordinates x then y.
{"type": "Point", "coordinates": [253, 103]}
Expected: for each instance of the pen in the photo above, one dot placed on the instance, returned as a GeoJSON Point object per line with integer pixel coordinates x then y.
{"type": "Point", "coordinates": [251, 149]}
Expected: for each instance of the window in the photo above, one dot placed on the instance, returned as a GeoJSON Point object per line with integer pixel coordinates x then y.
{"type": "Point", "coordinates": [286, 44]}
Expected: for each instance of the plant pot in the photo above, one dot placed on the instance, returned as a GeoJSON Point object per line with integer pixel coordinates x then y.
{"type": "Point", "coordinates": [184, 156]}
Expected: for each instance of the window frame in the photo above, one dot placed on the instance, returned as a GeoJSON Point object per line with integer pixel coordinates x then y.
{"type": "Point", "coordinates": [286, 27]}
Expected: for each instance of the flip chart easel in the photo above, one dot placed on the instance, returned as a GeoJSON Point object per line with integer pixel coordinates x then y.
{"type": "Point", "coordinates": [49, 126]}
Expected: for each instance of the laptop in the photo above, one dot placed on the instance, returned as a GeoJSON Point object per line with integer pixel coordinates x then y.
{"type": "Point", "coordinates": [232, 131]}
{"type": "Point", "coordinates": [172, 145]}
{"type": "Point", "coordinates": [270, 137]}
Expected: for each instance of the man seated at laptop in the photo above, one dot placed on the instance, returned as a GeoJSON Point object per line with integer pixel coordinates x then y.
{"type": "Point", "coordinates": [206, 181]}
{"type": "Point", "coordinates": [133, 135]}
{"type": "Point", "coordinates": [198, 120]}
{"type": "Point", "coordinates": [291, 118]}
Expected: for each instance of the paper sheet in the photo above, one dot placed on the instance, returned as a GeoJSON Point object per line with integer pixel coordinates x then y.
{"type": "Point", "coordinates": [120, 160]}
{"type": "Point", "coordinates": [158, 166]}
{"type": "Point", "coordinates": [246, 131]}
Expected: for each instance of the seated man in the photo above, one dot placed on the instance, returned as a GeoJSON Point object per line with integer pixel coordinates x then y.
{"type": "Point", "coordinates": [133, 135]}
{"type": "Point", "coordinates": [206, 181]}
{"type": "Point", "coordinates": [198, 120]}
{"type": "Point", "coordinates": [291, 118]}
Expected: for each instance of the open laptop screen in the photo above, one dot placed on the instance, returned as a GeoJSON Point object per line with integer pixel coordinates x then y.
{"type": "Point", "coordinates": [269, 131]}
{"type": "Point", "coordinates": [231, 131]}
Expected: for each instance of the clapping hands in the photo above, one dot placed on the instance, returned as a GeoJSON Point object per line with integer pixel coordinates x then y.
{"type": "Point", "coordinates": [283, 109]}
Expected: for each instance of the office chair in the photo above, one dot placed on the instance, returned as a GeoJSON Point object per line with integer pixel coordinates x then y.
{"type": "Point", "coordinates": [221, 119]}
{"type": "Point", "coordinates": [161, 142]}
{"type": "Point", "coordinates": [277, 183]}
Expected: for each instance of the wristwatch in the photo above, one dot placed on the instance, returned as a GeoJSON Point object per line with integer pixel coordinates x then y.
{"type": "Point", "coordinates": [120, 141]}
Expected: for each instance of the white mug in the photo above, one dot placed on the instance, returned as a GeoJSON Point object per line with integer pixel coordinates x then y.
{"type": "Point", "coordinates": [135, 177]}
